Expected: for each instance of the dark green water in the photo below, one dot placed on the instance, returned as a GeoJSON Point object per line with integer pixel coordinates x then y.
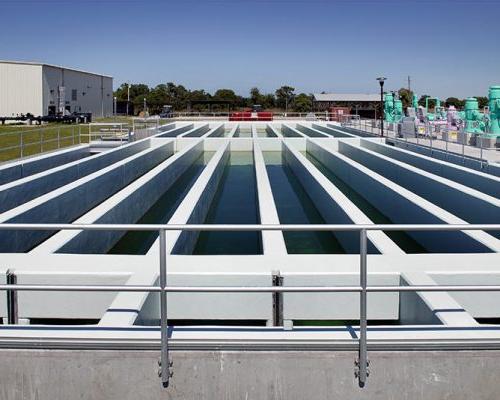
{"type": "Point", "coordinates": [135, 242]}
{"type": "Point", "coordinates": [403, 240]}
{"type": "Point", "coordinates": [296, 207]}
{"type": "Point", "coordinates": [235, 202]}
{"type": "Point", "coordinates": [243, 132]}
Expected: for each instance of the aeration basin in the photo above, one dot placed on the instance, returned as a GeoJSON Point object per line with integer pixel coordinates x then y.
{"type": "Point", "coordinates": [220, 172]}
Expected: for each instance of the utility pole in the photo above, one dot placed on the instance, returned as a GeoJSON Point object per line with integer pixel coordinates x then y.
{"type": "Point", "coordinates": [409, 85]}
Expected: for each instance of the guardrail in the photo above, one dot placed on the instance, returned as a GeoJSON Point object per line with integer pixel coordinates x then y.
{"type": "Point", "coordinates": [363, 289]}
{"type": "Point", "coordinates": [430, 136]}
{"type": "Point", "coordinates": [22, 143]}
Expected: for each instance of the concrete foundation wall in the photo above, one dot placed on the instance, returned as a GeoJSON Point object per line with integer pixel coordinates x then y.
{"type": "Point", "coordinates": [235, 375]}
{"type": "Point", "coordinates": [26, 167]}
{"type": "Point", "coordinates": [485, 183]}
{"type": "Point", "coordinates": [24, 190]}
{"type": "Point", "coordinates": [70, 201]}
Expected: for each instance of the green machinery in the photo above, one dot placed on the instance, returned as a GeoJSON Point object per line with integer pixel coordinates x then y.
{"type": "Point", "coordinates": [388, 107]}
{"type": "Point", "coordinates": [474, 119]}
{"type": "Point", "coordinates": [494, 104]}
{"type": "Point", "coordinates": [393, 108]}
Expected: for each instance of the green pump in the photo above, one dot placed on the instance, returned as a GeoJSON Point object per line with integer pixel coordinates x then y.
{"type": "Point", "coordinates": [398, 110]}
{"type": "Point", "coordinates": [389, 107]}
{"type": "Point", "coordinates": [474, 120]}
{"type": "Point", "coordinates": [414, 102]}
{"type": "Point", "coordinates": [494, 104]}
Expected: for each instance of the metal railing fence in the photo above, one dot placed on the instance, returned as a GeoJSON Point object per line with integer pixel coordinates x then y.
{"type": "Point", "coordinates": [435, 137]}
{"type": "Point", "coordinates": [23, 143]}
{"type": "Point", "coordinates": [363, 289]}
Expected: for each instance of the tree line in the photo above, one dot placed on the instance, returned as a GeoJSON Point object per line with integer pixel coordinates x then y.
{"type": "Point", "coordinates": [406, 97]}
{"type": "Point", "coordinates": [180, 98]}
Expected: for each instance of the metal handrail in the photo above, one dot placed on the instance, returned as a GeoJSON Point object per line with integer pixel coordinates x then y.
{"type": "Point", "coordinates": [363, 289]}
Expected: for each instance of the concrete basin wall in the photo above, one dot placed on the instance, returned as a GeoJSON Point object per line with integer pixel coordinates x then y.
{"type": "Point", "coordinates": [68, 202]}
{"type": "Point", "coordinates": [482, 182]}
{"type": "Point", "coordinates": [129, 205]}
{"type": "Point", "coordinates": [176, 131]}
{"type": "Point", "coordinates": [197, 202]}
{"type": "Point", "coordinates": [333, 212]}
{"type": "Point", "coordinates": [20, 191]}
{"type": "Point", "coordinates": [212, 306]}
{"type": "Point", "coordinates": [342, 306]}
{"type": "Point", "coordinates": [401, 206]}
{"type": "Point", "coordinates": [332, 131]}
{"type": "Point", "coordinates": [25, 167]}
{"type": "Point", "coordinates": [466, 203]}
{"type": "Point", "coordinates": [198, 131]}
{"type": "Point", "coordinates": [308, 131]}
{"type": "Point", "coordinates": [454, 158]}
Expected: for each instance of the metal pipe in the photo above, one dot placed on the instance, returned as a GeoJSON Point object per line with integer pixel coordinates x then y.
{"type": "Point", "coordinates": [253, 227]}
{"type": "Point", "coordinates": [164, 360]}
{"type": "Point", "coordinates": [362, 356]}
{"type": "Point", "coordinates": [251, 289]}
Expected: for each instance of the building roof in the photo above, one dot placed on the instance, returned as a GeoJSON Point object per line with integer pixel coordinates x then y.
{"type": "Point", "coordinates": [53, 66]}
{"type": "Point", "coordinates": [360, 97]}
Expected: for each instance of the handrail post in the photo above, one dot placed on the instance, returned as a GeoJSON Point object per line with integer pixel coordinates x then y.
{"type": "Point", "coordinates": [12, 305]}
{"type": "Point", "coordinates": [164, 360]}
{"type": "Point", "coordinates": [362, 362]}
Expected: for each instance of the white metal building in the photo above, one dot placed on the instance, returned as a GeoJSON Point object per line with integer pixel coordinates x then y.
{"type": "Point", "coordinates": [43, 89]}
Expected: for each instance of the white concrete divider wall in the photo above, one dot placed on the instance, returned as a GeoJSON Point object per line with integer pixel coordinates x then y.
{"type": "Point", "coordinates": [480, 181]}
{"type": "Point", "coordinates": [196, 204]}
{"type": "Point", "coordinates": [20, 191]}
{"type": "Point", "coordinates": [18, 169]}
{"type": "Point", "coordinates": [273, 242]}
{"type": "Point", "coordinates": [331, 130]}
{"type": "Point", "coordinates": [338, 306]}
{"type": "Point", "coordinates": [402, 206]}
{"type": "Point", "coordinates": [334, 207]}
{"type": "Point", "coordinates": [352, 131]}
{"type": "Point", "coordinates": [464, 202]}
{"type": "Point", "coordinates": [128, 205]}
{"type": "Point", "coordinates": [308, 131]}
{"type": "Point", "coordinates": [68, 202]}
{"type": "Point", "coordinates": [175, 132]}
{"type": "Point", "coordinates": [455, 158]}
{"type": "Point", "coordinates": [197, 132]}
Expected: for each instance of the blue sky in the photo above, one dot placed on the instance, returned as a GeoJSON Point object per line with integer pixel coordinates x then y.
{"type": "Point", "coordinates": [449, 48]}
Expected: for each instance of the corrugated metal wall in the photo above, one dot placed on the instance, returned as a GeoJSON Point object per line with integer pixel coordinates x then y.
{"type": "Point", "coordinates": [84, 92]}
{"type": "Point", "coordinates": [20, 89]}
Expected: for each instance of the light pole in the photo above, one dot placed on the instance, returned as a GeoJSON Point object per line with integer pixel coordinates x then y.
{"type": "Point", "coordinates": [381, 81]}
{"type": "Point", "coordinates": [128, 95]}
{"type": "Point", "coordinates": [114, 106]}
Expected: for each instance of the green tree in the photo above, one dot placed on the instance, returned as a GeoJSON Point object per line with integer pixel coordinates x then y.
{"type": "Point", "coordinates": [421, 101]}
{"type": "Point", "coordinates": [255, 96]}
{"type": "Point", "coordinates": [284, 96]}
{"type": "Point", "coordinates": [302, 103]}
{"type": "Point", "coordinates": [483, 101]}
{"type": "Point", "coordinates": [406, 97]}
{"type": "Point", "coordinates": [453, 101]}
